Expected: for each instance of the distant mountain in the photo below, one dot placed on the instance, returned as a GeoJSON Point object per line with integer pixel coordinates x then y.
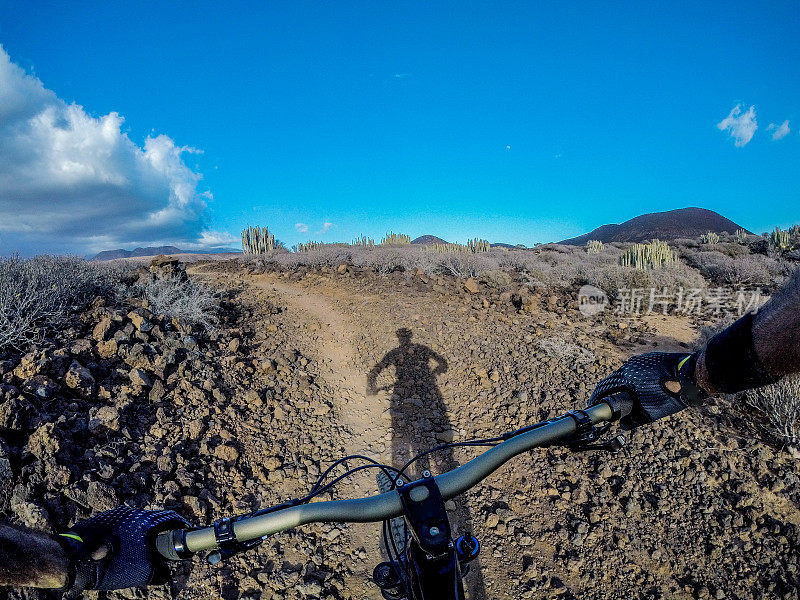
{"type": "Point", "coordinates": [669, 225]}
{"type": "Point", "coordinates": [428, 239]}
{"type": "Point", "coordinates": [154, 251]}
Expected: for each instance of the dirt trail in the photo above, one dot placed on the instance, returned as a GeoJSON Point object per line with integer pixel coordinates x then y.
{"type": "Point", "coordinates": [364, 416]}
{"type": "Point", "coordinates": [361, 413]}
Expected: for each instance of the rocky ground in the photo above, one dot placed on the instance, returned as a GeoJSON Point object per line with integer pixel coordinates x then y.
{"type": "Point", "coordinates": [308, 366]}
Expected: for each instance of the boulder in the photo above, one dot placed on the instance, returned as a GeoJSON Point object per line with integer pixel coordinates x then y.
{"type": "Point", "coordinates": [472, 286]}
{"type": "Point", "coordinates": [140, 320]}
{"type": "Point", "coordinates": [101, 496]}
{"type": "Point", "coordinates": [106, 417]}
{"type": "Point", "coordinates": [79, 378]}
{"type": "Point", "coordinates": [102, 330]}
{"type": "Point", "coordinates": [140, 378]}
{"type": "Point", "coordinates": [41, 386]}
{"type": "Point", "coordinates": [45, 442]}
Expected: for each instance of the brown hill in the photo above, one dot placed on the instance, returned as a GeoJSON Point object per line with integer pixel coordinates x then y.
{"type": "Point", "coordinates": [669, 225]}
{"type": "Point", "coordinates": [428, 239]}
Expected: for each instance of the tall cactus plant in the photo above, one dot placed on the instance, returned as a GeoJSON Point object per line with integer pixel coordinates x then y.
{"type": "Point", "coordinates": [710, 238]}
{"type": "Point", "coordinates": [594, 247]}
{"type": "Point", "coordinates": [740, 236]}
{"type": "Point", "coordinates": [309, 246]}
{"type": "Point", "coordinates": [396, 239]}
{"type": "Point", "coordinates": [257, 240]}
{"type": "Point", "coordinates": [476, 245]}
{"type": "Point", "coordinates": [648, 256]}
{"type": "Point", "coordinates": [364, 241]}
{"type": "Point", "coordinates": [780, 240]}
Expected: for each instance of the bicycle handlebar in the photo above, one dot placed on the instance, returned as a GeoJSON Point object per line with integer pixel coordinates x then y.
{"type": "Point", "coordinates": [388, 505]}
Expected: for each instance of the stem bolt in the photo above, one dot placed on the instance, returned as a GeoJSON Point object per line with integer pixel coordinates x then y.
{"type": "Point", "coordinates": [434, 531]}
{"type": "Point", "coordinates": [426, 474]}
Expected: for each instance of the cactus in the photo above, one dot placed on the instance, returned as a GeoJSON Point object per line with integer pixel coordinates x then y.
{"type": "Point", "coordinates": [477, 245]}
{"type": "Point", "coordinates": [445, 248]}
{"type": "Point", "coordinates": [474, 245]}
{"type": "Point", "coordinates": [594, 247]}
{"type": "Point", "coordinates": [648, 256]}
{"type": "Point", "coordinates": [364, 241]}
{"type": "Point", "coordinates": [780, 240]}
{"type": "Point", "coordinates": [257, 240]}
{"type": "Point", "coordinates": [710, 238]}
{"type": "Point", "coordinates": [740, 237]}
{"type": "Point", "coordinates": [395, 239]}
{"type": "Point", "coordinates": [309, 246]}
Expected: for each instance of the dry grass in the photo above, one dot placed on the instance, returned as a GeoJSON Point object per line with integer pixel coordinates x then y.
{"type": "Point", "coordinates": [186, 300]}
{"type": "Point", "coordinates": [36, 293]}
{"type": "Point", "coordinates": [779, 405]}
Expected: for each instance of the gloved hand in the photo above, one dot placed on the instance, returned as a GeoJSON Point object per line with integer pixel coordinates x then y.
{"type": "Point", "coordinates": [661, 384]}
{"type": "Point", "coordinates": [116, 549]}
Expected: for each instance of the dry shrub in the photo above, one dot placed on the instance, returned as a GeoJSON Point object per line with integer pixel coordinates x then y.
{"type": "Point", "coordinates": [186, 300]}
{"type": "Point", "coordinates": [753, 269]}
{"type": "Point", "coordinates": [779, 405]}
{"type": "Point", "coordinates": [566, 351]}
{"type": "Point", "coordinates": [37, 293]}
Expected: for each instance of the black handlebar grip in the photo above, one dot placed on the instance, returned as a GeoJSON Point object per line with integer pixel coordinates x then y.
{"type": "Point", "coordinates": [172, 545]}
{"type": "Point", "coordinates": [621, 404]}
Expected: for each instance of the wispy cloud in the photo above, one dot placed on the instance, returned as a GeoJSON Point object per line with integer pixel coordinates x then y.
{"type": "Point", "coordinates": [72, 182]}
{"type": "Point", "coordinates": [326, 227]}
{"type": "Point", "coordinates": [779, 131]}
{"type": "Point", "coordinates": [740, 126]}
{"type": "Point", "coordinates": [401, 75]}
{"type": "Point", "coordinates": [301, 227]}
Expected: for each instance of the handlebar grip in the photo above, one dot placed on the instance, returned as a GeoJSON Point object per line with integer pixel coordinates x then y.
{"type": "Point", "coordinates": [621, 404]}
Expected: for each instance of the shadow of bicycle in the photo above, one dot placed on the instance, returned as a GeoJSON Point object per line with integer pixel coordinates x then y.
{"type": "Point", "coordinates": [420, 421]}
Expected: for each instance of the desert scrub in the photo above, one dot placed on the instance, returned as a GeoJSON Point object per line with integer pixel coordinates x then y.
{"type": "Point", "coordinates": [186, 300]}
{"type": "Point", "coordinates": [38, 292]}
{"type": "Point", "coordinates": [779, 405]}
{"type": "Point", "coordinates": [566, 351]}
{"type": "Point", "coordinates": [753, 269]}
{"type": "Point", "coordinates": [709, 238]}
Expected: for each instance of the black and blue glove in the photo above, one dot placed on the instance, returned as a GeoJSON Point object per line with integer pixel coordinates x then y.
{"type": "Point", "coordinates": [116, 549]}
{"type": "Point", "coordinates": [660, 384]}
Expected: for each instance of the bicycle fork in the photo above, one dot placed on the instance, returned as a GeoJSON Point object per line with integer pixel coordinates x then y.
{"type": "Point", "coordinates": [432, 565]}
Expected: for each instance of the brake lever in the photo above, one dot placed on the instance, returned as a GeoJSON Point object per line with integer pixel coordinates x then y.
{"type": "Point", "coordinates": [225, 536]}
{"type": "Point", "coordinates": [615, 444]}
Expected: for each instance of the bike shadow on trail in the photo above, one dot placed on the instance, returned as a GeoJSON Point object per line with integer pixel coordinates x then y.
{"type": "Point", "coordinates": [420, 421]}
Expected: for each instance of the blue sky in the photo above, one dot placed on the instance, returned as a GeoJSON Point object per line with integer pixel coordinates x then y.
{"type": "Point", "coordinates": [516, 122]}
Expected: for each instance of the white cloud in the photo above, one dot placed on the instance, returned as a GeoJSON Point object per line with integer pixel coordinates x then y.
{"type": "Point", "coordinates": [326, 227]}
{"type": "Point", "coordinates": [73, 182]}
{"type": "Point", "coordinates": [779, 131]}
{"type": "Point", "coordinates": [301, 227]}
{"type": "Point", "coordinates": [741, 127]}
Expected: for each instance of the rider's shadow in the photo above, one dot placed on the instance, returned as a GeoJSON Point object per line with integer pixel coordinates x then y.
{"type": "Point", "coordinates": [420, 422]}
